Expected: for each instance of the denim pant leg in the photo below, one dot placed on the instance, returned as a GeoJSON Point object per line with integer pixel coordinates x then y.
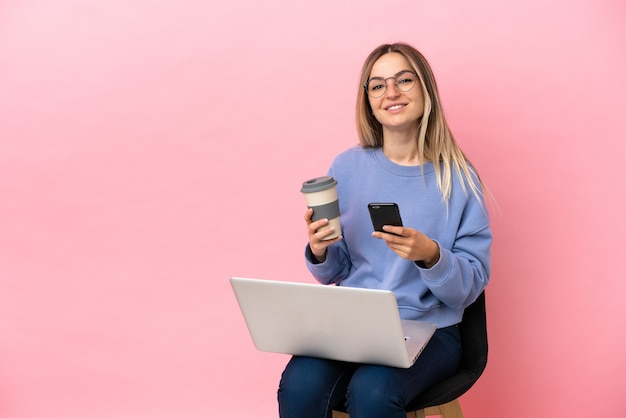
{"type": "Point", "coordinates": [380, 391]}
{"type": "Point", "coordinates": [310, 387]}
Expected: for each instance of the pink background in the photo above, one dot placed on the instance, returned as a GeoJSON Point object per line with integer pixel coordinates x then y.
{"type": "Point", "coordinates": [149, 150]}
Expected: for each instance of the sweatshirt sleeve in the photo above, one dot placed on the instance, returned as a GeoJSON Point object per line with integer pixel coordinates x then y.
{"type": "Point", "coordinates": [462, 271]}
{"type": "Point", "coordinates": [334, 269]}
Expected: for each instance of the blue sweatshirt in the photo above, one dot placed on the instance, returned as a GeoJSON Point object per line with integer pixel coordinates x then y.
{"type": "Point", "coordinates": [438, 294]}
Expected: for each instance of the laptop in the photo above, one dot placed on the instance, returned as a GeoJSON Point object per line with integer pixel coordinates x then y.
{"type": "Point", "coordinates": [332, 322]}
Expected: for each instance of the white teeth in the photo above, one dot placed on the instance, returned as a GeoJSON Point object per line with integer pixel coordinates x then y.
{"type": "Point", "coordinates": [396, 107]}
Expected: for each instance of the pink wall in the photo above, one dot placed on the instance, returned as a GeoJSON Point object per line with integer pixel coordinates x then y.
{"type": "Point", "coordinates": [143, 145]}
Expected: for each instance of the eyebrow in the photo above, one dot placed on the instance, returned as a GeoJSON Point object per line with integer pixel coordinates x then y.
{"type": "Point", "coordinates": [393, 76]}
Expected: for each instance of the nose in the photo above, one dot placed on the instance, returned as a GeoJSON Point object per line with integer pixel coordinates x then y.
{"type": "Point", "coordinates": [392, 88]}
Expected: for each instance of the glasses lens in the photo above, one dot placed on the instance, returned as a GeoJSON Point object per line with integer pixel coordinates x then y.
{"type": "Point", "coordinates": [376, 87]}
{"type": "Point", "coordinates": [406, 81]}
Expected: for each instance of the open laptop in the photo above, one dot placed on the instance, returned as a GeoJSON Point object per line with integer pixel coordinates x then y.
{"type": "Point", "coordinates": [334, 322]}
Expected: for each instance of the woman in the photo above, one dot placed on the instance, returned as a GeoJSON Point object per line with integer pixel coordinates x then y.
{"type": "Point", "coordinates": [437, 264]}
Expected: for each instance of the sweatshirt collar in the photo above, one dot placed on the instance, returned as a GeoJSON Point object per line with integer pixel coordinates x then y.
{"type": "Point", "coordinates": [401, 170]}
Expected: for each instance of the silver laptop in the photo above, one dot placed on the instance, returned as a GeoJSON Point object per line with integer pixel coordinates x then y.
{"type": "Point", "coordinates": [334, 322]}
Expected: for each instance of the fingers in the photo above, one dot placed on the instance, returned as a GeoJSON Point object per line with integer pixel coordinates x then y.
{"type": "Point", "coordinates": [308, 215]}
{"type": "Point", "coordinates": [396, 230]}
{"type": "Point", "coordinates": [317, 229]}
{"type": "Point", "coordinates": [391, 232]}
{"type": "Point", "coordinates": [406, 242]}
{"type": "Point", "coordinates": [318, 232]}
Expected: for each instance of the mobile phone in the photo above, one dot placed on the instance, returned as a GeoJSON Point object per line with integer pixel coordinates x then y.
{"type": "Point", "coordinates": [384, 214]}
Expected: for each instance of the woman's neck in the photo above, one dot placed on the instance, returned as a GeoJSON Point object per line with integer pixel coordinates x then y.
{"type": "Point", "coordinates": [401, 149]}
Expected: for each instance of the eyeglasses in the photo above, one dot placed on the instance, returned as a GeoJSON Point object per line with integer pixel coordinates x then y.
{"type": "Point", "coordinates": [404, 81]}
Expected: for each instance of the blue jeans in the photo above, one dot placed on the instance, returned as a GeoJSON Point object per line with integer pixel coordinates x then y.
{"type": "Point", "coordinates": [312, 387]}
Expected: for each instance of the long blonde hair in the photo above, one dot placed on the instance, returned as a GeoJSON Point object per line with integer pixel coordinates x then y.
{"type": "Point", "coordinates": [435, 141]}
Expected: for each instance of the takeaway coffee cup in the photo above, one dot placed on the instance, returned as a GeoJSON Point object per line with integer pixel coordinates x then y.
{"type": "Point", "coordinates": [320, 194]}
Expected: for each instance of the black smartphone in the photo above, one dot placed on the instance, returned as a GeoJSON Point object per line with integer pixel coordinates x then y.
{"type": "Point", "coordinates": [384, 214]}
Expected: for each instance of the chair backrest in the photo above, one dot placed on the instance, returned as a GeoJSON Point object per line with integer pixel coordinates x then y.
{"type": "Point", "coordinates": [473, 329]}
{"type": "Point", "coordinates": [474, 336]}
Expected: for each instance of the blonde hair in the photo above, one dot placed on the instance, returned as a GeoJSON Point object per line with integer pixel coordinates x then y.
{"type": "Point", "coordinates": [435, 141]}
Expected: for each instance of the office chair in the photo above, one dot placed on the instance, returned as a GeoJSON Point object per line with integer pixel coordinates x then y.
{"type": "Point", "coordinates": [442, 398]}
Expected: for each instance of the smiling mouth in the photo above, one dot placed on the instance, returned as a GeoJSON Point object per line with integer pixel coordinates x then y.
{"type": "Point", "coordinates": [396, 107]}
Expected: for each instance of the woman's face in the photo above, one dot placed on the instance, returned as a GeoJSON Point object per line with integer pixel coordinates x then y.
{"type": "Point", "coordinates": [396, 110]}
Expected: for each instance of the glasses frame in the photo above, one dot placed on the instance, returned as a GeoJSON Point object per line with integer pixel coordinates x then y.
{"type": "Point", "coordinates": [395, 83]}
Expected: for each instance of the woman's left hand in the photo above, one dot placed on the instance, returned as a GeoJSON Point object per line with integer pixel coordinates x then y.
{"type": "Point", "coordinates": [410, 244]}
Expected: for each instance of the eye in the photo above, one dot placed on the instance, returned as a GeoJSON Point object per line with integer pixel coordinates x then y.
{"type": "Point", "coordinates": [376, 85]}
{"type": "Point", "coordinates": [406, 79]}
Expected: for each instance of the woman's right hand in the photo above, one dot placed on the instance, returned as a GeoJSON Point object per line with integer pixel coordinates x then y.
{"type": "Point", "coordinates": [316, 237]}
